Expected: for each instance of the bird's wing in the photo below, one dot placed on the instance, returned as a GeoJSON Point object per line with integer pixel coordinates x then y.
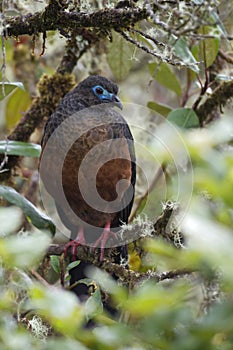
{"type": "Point", "coordinates": [128, 196]}
{"type": "Point", "coordinates": [66, 107]}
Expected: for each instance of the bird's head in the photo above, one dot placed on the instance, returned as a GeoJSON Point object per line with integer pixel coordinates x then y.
{"type": "Point", "coordinates": [98, 89]}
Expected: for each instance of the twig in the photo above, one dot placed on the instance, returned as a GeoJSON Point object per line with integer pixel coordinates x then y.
{"type": "Point", "coordinates": [39, 278]}
{"type": "Point", "coordinates": [225, 56]}
{"type": "Point", "coordinates": [149, 37]}
{"type": "Point", "coordinates": [174, 62]}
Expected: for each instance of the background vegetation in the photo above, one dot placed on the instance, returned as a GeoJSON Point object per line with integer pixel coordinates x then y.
{"type": "Point", "coordinates": [174, 57]}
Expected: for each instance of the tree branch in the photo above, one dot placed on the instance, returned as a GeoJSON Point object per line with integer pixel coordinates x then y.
{"type": "Point", "coordinates": [125, 275]}
{"type": "Point", "coordinates": [51, 90]}
{"type": "Point", "coordinates": [55, 18]}
{"type": "Point", "coordinates": [159, 228]}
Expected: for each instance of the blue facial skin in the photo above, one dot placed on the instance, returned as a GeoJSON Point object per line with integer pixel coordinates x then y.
{"type": "Point", "coordinates": [105, 96]}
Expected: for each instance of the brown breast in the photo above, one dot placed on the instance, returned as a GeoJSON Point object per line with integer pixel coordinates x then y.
{"type": "Point", "coordinates": [95, 176]}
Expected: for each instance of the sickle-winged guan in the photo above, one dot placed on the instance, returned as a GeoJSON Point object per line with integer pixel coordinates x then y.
{"type": "Point", "coordinates": [88, 166]}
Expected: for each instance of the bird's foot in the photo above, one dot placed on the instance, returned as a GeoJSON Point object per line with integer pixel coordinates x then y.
{"type": "Point", "coordinates": [80, 240]}
{"type": "Point", "coordinates": [101, 241]}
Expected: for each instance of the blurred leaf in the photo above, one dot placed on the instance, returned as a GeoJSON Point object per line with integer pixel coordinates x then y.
{"type": "Point", "coordinates": [7, 88]}
{"type": "Point", "coordinates": [105, 281]}
{"type": "Point", "coordinates": [163, 74]}
{"type": "Point", "coordinates": [223, 77]}
{"type": "Point", "coordinates": [184, 117]}
{"type": "Point", "coordinates": [55, 263]}
{"type": "Point", "coordinates": [204, 235]}
{"type": "Point", "coordinates": [208, 47]}
{"type": "Point", "coordinates": [18, 148]}
{"type": "Point", "coordinates": [151, 298]}
{"type": "Point", "coordinates": [23, 251]}
{"type": "Point", "coordinates": [159, 108]}
{"type": "Point", "coordinates": [37, 218]}
{"type": "Point", "coordinates": [64, 343]}
{"type": "Point", "coordinates": [61, 308]}
{"type": "Point", "coordinates": [197, 2]}
{"type": "Point", "coordinates": [119, 56]}
{"type": "Point", "coordinates": [183, 52]}
{"type": "Point", "coordinates": [162, 249]}
{"type": "Point", "coordinates": [10, 226]}
{"type": "Point", "coordinates": [16, 106]}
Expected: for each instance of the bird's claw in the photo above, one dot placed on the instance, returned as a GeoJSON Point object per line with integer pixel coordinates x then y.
{"type": "Point", "coordinates": [101, 241]}
{"type": "Point", "coordinates": [80, 240]}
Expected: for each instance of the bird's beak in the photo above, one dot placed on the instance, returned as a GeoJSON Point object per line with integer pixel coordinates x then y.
{"type": "Point", "coordinates": [116, 101]}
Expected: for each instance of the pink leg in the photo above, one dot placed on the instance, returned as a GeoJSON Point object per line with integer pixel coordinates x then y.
{"type": "Point", "coordinates": [101, 241]}
{"type": "Point", "coordinates": [80, 240]}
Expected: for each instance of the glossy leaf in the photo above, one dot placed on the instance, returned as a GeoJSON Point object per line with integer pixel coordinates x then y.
{"type": "Point", "coordinates": [16, 106]}
{"type": "Point", "coordinates": [7, 88]}
{"type": "Point", "coordinates": [55, 263]}
{"type": "Point", "coordinates": [159, 108]}
{"type": "Point", "coordinates": [163, 74]}
{"type": "Point", "coordinates": [184, 117]}
{"type": "Point", "coordinates": [73, 264]}
{"type": "Point", "coordinates": [36, 217]}
{"type": "Point", "coordinates": [183, 52]}
{"type": "Point", "coordinates": [17, 148]}
{"type": "Point", "coordinates": [119, 56]}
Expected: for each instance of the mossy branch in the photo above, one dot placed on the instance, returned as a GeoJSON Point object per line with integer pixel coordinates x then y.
{"type": "Point", "coordinates": [55, 18]}
{"type": "Point", "coordinates": [51, 90]}
{"type": "Point", "coordinates": [218, 99]}
{"type": "Point", "coordinates": [126, 276]}
{"type": "Point", "coordinates": [158, 229]}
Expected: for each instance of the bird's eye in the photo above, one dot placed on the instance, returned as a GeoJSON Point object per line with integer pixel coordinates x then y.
{"type": "Point", "coordinates": [99, 90]}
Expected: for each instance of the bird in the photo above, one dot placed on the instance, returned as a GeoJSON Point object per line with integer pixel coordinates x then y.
{"type": "Point", "coordinates": [88, 166]}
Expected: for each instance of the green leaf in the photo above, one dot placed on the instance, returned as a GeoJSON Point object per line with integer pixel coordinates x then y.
{"type": "Point", "coordinates": [17, 104]}
{"type": "Point", "coordinates": [17, 148]}
{"type": "Point", "coordinates": [119, 56]}
{"type": "Point", "coordinates": [184, 117]}
{"type": "Point", "coordinates": [37, 218]}
{"type": "Point", "coordinates": [7, 88]}
{"type": "Point", "coordinates": [73, 264]}
{"type": "Point", "coordinates": [94, 305]}
{"type": "Point", "coordinates": [183, 52]}
{"type": "Point", "coordinates": [159, 108]}
{"type": "Point", "coordinates": [55, 263]}
{"type": "Point", "coordinates": [165, 76]}
{"type": "Point", "coordinates": [208, 47]}
{"type": "Point", "coordinates": [148, 298]}
{"type": "Point", "coordinates": [61, 308]}
{"type": "Point", "coordinates": [23, 251]}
